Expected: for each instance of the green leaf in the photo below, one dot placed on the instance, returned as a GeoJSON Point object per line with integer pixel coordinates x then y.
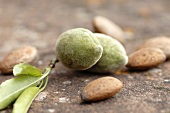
{"type": "Point", "coordinates": [26, 69]}
{"type": "Point", "coordinates": [24, 101]}
{"type": "Point", "coordinates": [12, 88]}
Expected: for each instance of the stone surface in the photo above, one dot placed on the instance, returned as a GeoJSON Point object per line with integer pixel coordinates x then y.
{"type": "Point", "coordinates": [39, 22]}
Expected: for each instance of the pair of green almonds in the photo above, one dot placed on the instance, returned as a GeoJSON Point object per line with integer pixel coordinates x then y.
{"type": "Point", "coordinates": [80, 49]}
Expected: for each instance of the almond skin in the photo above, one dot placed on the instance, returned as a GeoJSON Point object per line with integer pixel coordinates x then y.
{"type": "Point", "coordinates": [106, 26]}
{"type": "Point", "coordinates": [24, 54]}
{"type": "Point", "coordinates": [78, 49]}
{"type": "Point", "coordinates": [100, 89]}
{"type": "Point", "coordinates": [113, 57]}
{"type": "Point", "coordinates": [161, 42]}
{"type": "Point", "coordinates": [146, 58]}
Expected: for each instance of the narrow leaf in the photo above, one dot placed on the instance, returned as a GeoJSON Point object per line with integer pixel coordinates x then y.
{"type": "Point", "coordinates": [12, 88]}
{"type": "Point", "coordinates": [26, 98]}
{"type": "Point", "coordinates": [24, 101]}
{"type": "Point", "coordinates": [26, 69]}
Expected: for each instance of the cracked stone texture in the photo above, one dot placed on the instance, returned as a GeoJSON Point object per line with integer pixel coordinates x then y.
{"type": "Point", "coordinates": [40, 22]}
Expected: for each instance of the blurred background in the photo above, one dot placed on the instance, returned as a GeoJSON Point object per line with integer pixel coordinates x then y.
{"type": "Point", "coordinates": [40, 22]}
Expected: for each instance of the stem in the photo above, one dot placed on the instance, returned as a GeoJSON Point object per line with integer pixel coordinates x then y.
{"type": "Point", "coordinates": [50, 67]}
{"type": "Point", "coordinates": [41, 83]}
{"type": "Point", "coordinates": [45, 84]}
{"type": "Point", "coordinates": [52, 63]}
{"type": "Point", "coordinates": [47, 72]}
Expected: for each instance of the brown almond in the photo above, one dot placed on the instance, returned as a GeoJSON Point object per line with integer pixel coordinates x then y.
{"type": "Point", "coordinates": [100, 89]}
{"type": "Point", "coordinates": [146, 58]}
{"type": "Point", "coordinates": [106, 26]}
{"type": "Point", "coordinates": [24, 54]}
{"type": "Point", "coordinates": [161, 42]}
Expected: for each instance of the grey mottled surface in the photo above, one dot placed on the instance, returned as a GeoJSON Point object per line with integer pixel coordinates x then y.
{"type": "Point", "coordinates": [40, 22]}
